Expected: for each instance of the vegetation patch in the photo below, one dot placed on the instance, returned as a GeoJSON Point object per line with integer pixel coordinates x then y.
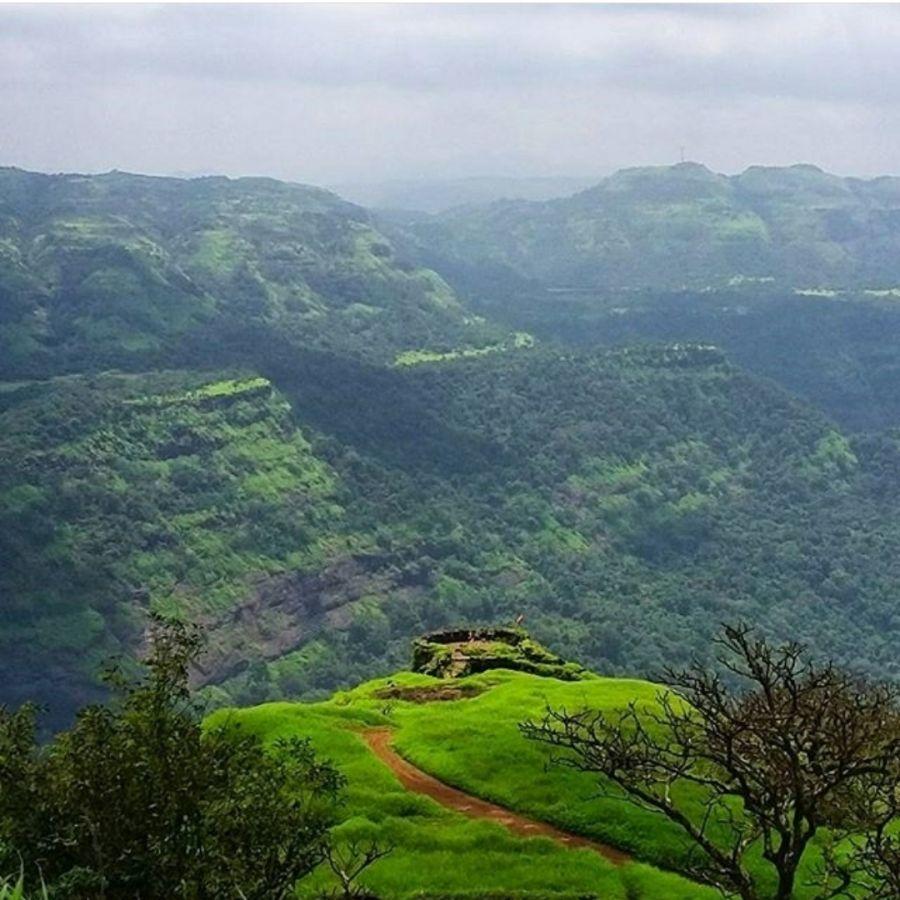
{"type": "Point", "coordinates": [458, 652]}
{"type": "Point", "coordinates": [517, 341]}
{"type": "Point", "coordinates": [429, 693]}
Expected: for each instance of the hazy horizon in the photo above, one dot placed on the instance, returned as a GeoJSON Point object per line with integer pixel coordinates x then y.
{"type": "Point", "coordinates": [356, 94]}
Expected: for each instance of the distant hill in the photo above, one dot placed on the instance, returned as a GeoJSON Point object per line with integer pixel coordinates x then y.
{"type": "Point", "coordinates": [685, 226]}
{"type": "Point", "coordinates": [792, 271]}
{"type": "Point", "coordinates": [434, 196]}
{"type": "Point", "coordinates": [132, 272]}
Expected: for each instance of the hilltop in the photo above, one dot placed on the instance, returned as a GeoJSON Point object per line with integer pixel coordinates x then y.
{"type": "Point", "coordinates": [473, 744]}
{"type": "Point", "coordinates": [383, 732]}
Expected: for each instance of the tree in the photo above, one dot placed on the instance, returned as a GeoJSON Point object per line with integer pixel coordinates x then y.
{"type": "Point", "coordinates": [138, 800]}
{"type": "Point", "coordinates": [863, 857]}
{"type": "Point", "coordinates": [349, 863]}
{"type": "Point", "coordinates": [777, 749]}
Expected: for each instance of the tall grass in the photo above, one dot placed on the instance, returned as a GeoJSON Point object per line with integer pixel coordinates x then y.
{"type": "Point", "coordinates": [15, 890]}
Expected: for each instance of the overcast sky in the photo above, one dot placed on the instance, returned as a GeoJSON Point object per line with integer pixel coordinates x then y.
{"type": "Point", "coordinates": [336, 93]}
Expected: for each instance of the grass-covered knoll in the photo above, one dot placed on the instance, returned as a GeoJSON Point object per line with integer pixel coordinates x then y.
{"type": "Point", "coordinates": [441, 853]}
{"type": "Point", "coordinates": [134, 272]}
{"type": "Point", "coordinates": [475, 744]}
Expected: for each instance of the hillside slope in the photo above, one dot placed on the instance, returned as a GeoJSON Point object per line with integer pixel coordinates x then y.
{"type": "Point", "coordinates": [441, 853]}
{"type": "Point", "coordinates": [317, 518]}
{"type": "Point", "coordinates": [474, 744]}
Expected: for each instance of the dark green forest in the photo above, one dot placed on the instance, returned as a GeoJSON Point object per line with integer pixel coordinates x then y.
{"type": "Point", "coordinates": [251, 405]}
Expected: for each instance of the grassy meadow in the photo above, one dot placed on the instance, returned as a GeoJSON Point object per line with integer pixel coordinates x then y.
{"type": "Point", "coordinates": [475, 745]}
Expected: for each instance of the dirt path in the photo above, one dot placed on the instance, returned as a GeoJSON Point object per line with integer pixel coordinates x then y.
{"type": "Point", "coordinates": [414, 779]}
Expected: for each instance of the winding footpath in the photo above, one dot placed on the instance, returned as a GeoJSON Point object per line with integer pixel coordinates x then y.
{"type": "Point", "coordinates": [414, 779]}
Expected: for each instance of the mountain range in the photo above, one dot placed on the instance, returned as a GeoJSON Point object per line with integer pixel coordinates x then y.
{"type": "Point", "coordinates": [319, 431]}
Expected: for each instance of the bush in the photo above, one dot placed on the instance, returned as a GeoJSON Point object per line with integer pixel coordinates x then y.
{"type": "Point", "coordinates": [138, 800]}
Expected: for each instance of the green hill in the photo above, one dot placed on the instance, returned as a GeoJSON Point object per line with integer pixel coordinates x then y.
{"type": "Point", "coordinates": [675, 226]}
{"type": "Point", "coordinates": [439, 853]}
{"type": "Point", "coordinates": [474, 744]}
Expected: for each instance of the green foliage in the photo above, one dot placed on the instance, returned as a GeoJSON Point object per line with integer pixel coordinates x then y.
{"type": "Point", "coordinates": [518, 341]}
{"type": "Point", "coordinates": [624, 502]}
{"type": "Point", "coordinates": [165, 492]}
{"type": "Point", "coordinates": [839, 354]}
{"type": "Point", "coordinates": [139, 800]}
{"type": "Point", "coordinates": [11, 889]}
{"type": "Point", "coordinates": [315, 506]}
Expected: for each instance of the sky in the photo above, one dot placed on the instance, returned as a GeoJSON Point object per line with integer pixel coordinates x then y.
{"type": "Point", "coordinates": [332, 93]}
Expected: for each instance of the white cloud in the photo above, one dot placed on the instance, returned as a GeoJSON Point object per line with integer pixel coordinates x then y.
{"type": "Point", "coordinates": [324, 93]}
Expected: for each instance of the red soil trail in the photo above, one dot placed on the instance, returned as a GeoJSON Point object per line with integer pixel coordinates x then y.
{"type": "Point", "coordinates": [414, 779]}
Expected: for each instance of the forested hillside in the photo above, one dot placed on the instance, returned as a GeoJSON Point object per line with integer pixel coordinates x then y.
{"type": "Point", "coordinates": [840, 353]}
{"type": "Point", "coordinates": [625, 503]}
{"type": "Point", "coordinates": [134, 272]}
{"type": "Point", "coordinates": [683, 225]}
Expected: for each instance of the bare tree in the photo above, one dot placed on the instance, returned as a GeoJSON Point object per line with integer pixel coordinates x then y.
{"type": "Point", "coordinates": [863, 857]}
{"type": "Point", "coordinates": [772, 761]}
{"type": "Point", "coordinates": [349, 863]}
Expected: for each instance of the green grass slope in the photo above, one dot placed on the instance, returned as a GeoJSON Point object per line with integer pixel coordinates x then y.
{"type": "Point", "coordinates": [474, 744]}
{"type": "Point", "coordinates": [439, 853]}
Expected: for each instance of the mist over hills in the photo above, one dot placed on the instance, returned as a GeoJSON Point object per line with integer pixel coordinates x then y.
{"type": "Point", "coordinates": [438, 195]}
